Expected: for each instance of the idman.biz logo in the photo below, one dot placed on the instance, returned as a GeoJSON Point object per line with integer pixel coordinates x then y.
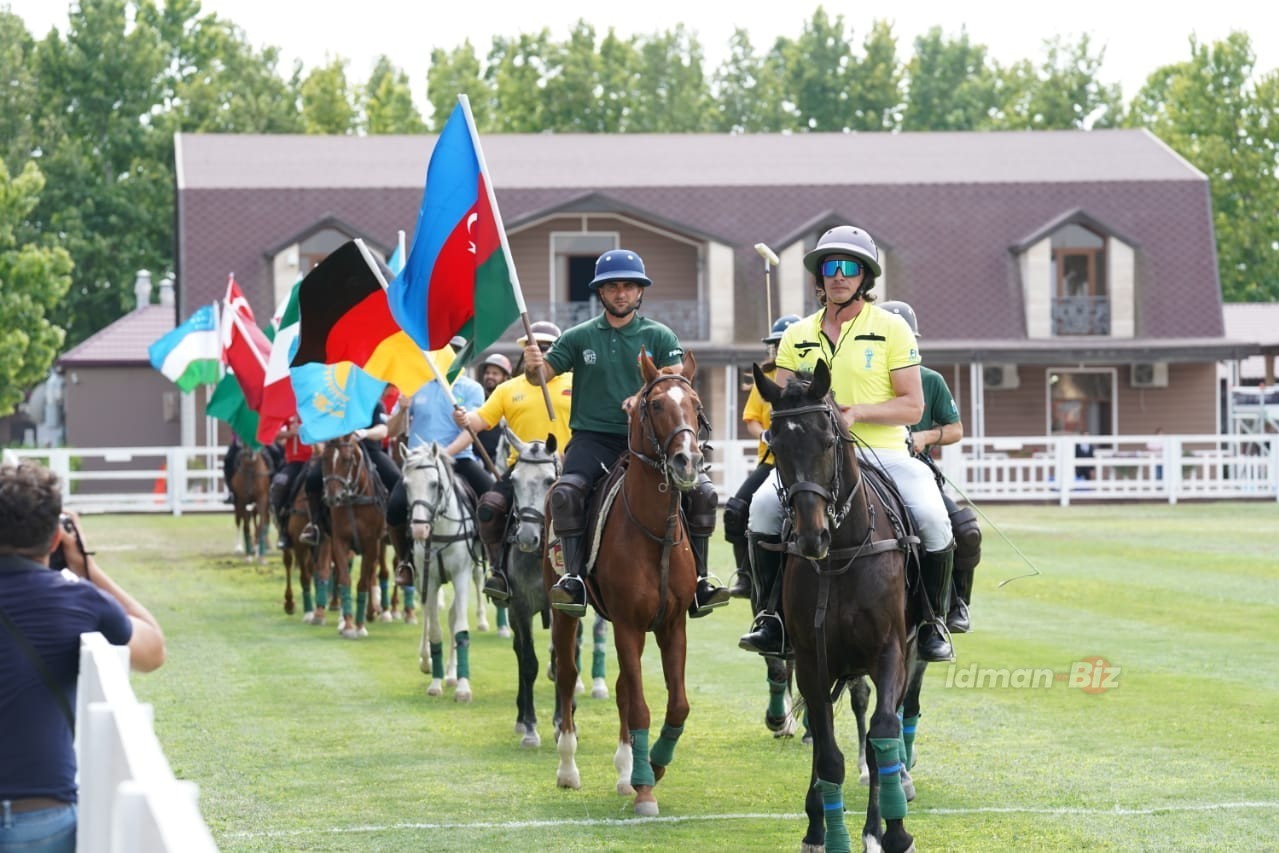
{"type": "Point", "coordinates": [1093, 675]}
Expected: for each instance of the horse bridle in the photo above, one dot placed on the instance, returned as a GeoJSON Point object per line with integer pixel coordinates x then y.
{"type": "Point", "coordinates": [650, 435]}
{"type": "Point", "coordinates": [836, 511]}
{"type": "Point", "coordinates": [530, 514]}
{"type": "Point", "coordinates": [349, 484]}
{"type": "Point", "coordinates": [442, 484]}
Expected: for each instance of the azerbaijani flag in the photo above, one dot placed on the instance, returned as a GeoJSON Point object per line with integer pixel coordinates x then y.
{"type": "Point", "coordinates": [459, 278]}
{"type": "Point", "coordinates": [188, 355]}
{"type": "Point", "coordinates": [278, 402]}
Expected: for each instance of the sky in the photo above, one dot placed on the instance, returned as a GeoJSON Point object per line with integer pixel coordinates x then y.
{"type": "Point", "coordinates": [1136, 40]}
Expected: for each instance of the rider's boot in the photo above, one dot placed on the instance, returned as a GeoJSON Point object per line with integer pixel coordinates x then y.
{"type": "Point", "coordinates": [491, 515]}
{"type": "Point", "coordinates": [708, 595]}
{"type": "Point", "coordinates": [569, 593]}
{"type": "Point", "coordinates": [311, 533]}
{"type": "Point", "coordinates": [967, 556]}
{"type": "Point", "coordinates": [404, 573]}
{"type": "Point", "coordinates": [701, 506]}
{"type": "Point", "coordinates": [932, 641]}
{"type": "Point", "coordinates": [741, 585]}
{"type": "Point", "coordinates": [736, 513]}
{"type": "Point", "coordinates": [767, 635]}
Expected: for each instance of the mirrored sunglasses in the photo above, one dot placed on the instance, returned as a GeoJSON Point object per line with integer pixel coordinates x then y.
{"type": "Point", "coordinates": [848, 268]}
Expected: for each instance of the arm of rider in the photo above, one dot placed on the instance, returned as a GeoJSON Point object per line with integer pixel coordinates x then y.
{"type": "Point", "coordinates": [468, 420]}
{"type": "Point", "coordinates": [755, 428]}
{"type": "Point", "coordinates": [938, 436]}
{"type": "Point", "coordinates": [459, 444]}
{"type": "Point", "coordinates": [536, 370]}
{"type": "Point", "coordinates": [146, 646]}
{"type": "Point", "coordinates": [397, 424]}
{"type": "Point", "coordinates": [377, 432]}
{"type": "Point", "coordinates": [903, 409]}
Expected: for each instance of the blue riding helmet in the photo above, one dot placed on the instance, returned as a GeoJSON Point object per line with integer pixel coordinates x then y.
{"type": "Point", "coordinates": [619, 265]}
{"type": "Point", "coordinates": [780, 325]}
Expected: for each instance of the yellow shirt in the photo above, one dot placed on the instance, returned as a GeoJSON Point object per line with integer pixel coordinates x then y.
{"type": "Point", "coordinates": [524, 409]}
{"type": "Point", "coordinates": [870, 347]}
{"type": "Point", "coordinates": [758, 410]}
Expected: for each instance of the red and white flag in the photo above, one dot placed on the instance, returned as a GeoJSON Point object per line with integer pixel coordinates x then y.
{"type": "Point", "coordinates": [245, 347]}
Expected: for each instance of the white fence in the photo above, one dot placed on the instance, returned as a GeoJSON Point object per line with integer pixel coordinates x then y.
{"type": "Point", "coordinates": [130, 801]}
{"type": "Point", "coordinates": [1015, 468]}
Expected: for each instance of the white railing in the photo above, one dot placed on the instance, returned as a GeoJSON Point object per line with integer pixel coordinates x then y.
{"type": "Point", "coordinates": [1015, 468]}
{"type": "Point", "coordinates": [130, 801]}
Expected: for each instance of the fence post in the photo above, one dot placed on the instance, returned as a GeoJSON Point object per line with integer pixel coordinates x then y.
{"type": "Point", "coordinates": [177, 481]}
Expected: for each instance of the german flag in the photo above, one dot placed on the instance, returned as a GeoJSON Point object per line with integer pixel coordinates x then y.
{"type": "Point", "coordinates": [345, 317]}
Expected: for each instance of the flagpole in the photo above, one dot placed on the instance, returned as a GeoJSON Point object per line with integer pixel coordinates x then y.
{"type": "Point", "coordinates": [436, 375]}
{"type": "Point", "coordinates": [501, 235]}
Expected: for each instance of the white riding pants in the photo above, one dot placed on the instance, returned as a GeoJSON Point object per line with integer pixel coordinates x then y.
{"type": "Point", "coordinates": [913, 478]}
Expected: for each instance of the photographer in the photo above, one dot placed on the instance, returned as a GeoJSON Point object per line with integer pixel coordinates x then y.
{"type": "Point", "coordinates": [43, 612]}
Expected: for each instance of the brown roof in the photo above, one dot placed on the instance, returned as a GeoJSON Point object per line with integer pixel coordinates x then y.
{"type": "Point", "coordinates": [125, 341]}
{"type": "Point", "coordinates": [951, 206]}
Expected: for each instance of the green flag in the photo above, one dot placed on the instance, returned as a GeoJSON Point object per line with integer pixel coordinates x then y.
{"type": "Point", "coordinates": [228, 405]}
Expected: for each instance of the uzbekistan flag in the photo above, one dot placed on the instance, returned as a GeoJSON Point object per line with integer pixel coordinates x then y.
{"type": "Point", "coordinates": [458, 279]}
{"type": "Point", "coordinates": [278, 402]}
{"type": "Point", "coordinates": [189, 354]}
{"type": "Point", "coordinates": [344, 316]}
{"type": "Point", "coordinates": [245, 347]}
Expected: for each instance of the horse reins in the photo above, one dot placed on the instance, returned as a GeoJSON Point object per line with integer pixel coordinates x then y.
{"type": "Point", "coordinates": [433, 509]}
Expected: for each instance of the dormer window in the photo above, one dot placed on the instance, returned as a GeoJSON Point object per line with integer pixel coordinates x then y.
{"type": "Point", "coordinates": [1081, 303]}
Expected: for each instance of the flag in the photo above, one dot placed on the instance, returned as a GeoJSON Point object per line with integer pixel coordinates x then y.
{"type": "Point", "coordinates": [345, 317]}
{"type": "Point", "coordinates": [188, 355]}
{"type": "Point", "coordinates": [278, 401]}
{"type": "Point", "coordinates": [334, 399]}
{"type": "Point", "coordinates": [458, 259]}
{"type": "Point", "coordinates": [228, 405]}
{"type": "Point", "coordinates": [245, 347]}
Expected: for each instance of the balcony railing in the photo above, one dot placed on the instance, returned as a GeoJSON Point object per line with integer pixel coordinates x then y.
{"type": "Point", "coordinates": [1081, 315]}
{"type": "Point", "coordinates": [686, 317]}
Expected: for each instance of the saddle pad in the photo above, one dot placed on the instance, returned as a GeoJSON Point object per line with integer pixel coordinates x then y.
{"type": "Point", "coordinates": [614, 486]}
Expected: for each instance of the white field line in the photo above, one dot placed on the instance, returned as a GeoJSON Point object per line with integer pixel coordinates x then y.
{"type": "Point", "coordinates": [1117, 811]}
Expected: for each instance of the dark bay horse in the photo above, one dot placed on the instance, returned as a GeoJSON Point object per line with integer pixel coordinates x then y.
{"type": "Point", "coordinates": [643, 580]}
{"type": "Point", "coordinates": [250, 489]}
{"type": "Point", "coordinates": [846, 605]}
{"type": "Point", "coordinates": [536, 467]}
{"type": "Point", "coordinates": [356, 500]}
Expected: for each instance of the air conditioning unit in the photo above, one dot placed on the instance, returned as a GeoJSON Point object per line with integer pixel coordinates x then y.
{"type": "Point", "coordinates": [1149, 374]}
{"type": "Point", "coordinates": [1000, 377]}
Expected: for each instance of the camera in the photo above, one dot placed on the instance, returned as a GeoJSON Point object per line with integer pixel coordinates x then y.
{"type": "Point", "coordinates": [58, 559]}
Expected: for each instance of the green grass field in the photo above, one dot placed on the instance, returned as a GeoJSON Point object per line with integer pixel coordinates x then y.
{"type": "Point", "coordinates": [300, 740]}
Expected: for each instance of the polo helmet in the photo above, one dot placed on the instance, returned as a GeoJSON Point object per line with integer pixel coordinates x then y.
{"type": "Point", "coordinates": [904, 311]}
{"type": "Point", "coordinates": [499, 361]}
{"type": "Point", "coordinates": [619, 265]}
{"type": "Point", "coordinates": [780, 325]}
{"type": "Point", "coordinates": [845, 240]}
{"type": "Point", "coordinates": [544, 332]}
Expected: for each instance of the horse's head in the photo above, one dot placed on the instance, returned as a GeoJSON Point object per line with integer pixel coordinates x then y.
{"type": "Point", "coordinates": [666, 423]}
{"type": "Point", "coordinates": [536, 467]}
{"type": "Point", "coordinates": [343, 467]}
{"type": "Point", "coordinates": [813, 453]}
{"type": "Point", "coordinates": [428, 485]}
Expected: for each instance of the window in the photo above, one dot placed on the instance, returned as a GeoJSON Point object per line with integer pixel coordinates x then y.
{"type": "Point", "coordinates": [1081, 402]}
{"type": "Point", "coordinates": [1081, 304]}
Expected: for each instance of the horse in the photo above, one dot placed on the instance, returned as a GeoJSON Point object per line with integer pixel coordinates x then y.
{"type": "Point", "coordinates": [536, 467]}
{"type": "Point", "coordinates": [250, 487]}
{"type": "Point", "coordinates": [846, 603]}
{"type": "Point", "coordinates": [356, 499]}
{"type": "Point", "coordinates": [445, 548]}
{"type": "Point", "coordinates": [644, 579]}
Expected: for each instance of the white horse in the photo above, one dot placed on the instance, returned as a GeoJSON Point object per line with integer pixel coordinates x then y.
{"type": "Point", "coordinates": [445, 549]}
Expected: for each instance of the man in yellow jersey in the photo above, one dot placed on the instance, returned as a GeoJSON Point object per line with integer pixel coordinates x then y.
{"type": "Point", "coordinates": [520, 403]}
{"type": "Point", "coordinates": [874, 363]}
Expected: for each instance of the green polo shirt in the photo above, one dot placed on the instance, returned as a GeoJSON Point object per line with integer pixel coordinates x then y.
{"type": "Point", "coordinates": [939, 404]}
{"type": "Point", "coordinates": [605, 365]}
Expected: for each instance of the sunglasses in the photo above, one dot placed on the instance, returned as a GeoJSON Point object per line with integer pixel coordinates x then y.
{"type": "Point", "coordinates": [848, 268]}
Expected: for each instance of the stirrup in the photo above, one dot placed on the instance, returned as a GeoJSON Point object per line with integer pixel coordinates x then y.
{"type": "Point", "coordinates": [566, 600]}
{"type": "Point", "coordinates": [754, 640]}
{"type": "Point", "coordinates": [310, 535]}
{"type": "Point", "coordinates": [716, 596]}
{"type": "Point", "coordinates": [404, 574]}
{"type": "Point", "coordinates": [497, 588]}
{"type": "Point", "coordinates": [938, 627]}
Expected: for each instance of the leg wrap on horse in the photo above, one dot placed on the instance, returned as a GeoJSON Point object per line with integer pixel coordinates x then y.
{"type": "Point", "coordinates": [663, 752]}
{"type": "Point", "coordinates": [892, 799]}
{"type": "Point", "coordinates": [437, 660]}
{"type": "Point", "coordinates": [463, 639]}
{"type": "Point", "coordinates": [967, 550]}
{"type": "Point", "coordinates": [777, 698]}
{"type": "Point", "coordinates": [909, 726]}
{"type": "Point", "coordinates": [599, 656]}
{"type": "Point", "coordinates": [641, 769]}
{"type": "Point", "coordinates": [837, 837]}
{"type": "Point", "coordinates": [736, 514]}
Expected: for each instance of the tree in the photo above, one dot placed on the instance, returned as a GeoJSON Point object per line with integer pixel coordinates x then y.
{"type": "Point", "coordinates": [950, 85]}
{"type": "Point", "coordinates": [328, 105]}
{"type": "Point", "coordinates": [672, 94]}
{"type": "Point", "coordinates": [1063, 92]}
{"type": "Point", "coordinates": [571, 101]}
{"type": "Point", "coordinates": [388, 101]}
{"type": "Point", "coordinates": [17, 96]}
{"type": "Point", "coordinates": [33, 279]}
{"type": "Point", "coordinates": [619, 78]}
{"type": "Point", "coordinates": [452, 73]}
{"type": "Point", "coordinates": [516, 75]}
{"type": "Point", "coordinates": [817, 74]}
{"type": "Point", "coordinates": [1207, 110]}
{"type": "Point", "coordinates": [876, 81]}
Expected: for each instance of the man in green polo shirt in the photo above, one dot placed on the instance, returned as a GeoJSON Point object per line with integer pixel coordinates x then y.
{"type": "Point", "coordinates": [603, 354]}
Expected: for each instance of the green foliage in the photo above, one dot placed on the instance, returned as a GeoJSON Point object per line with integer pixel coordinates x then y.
{"type": "Point", "coordinates": [388, 101]}
{"type": "Point", "coordinates": [328, 104]}
{"type": "Point", "coordinates": [951, 86]}
{"type": "Point", "coordinates": [748, 90]}
{"type": "Point", "coordinates": [1061, 93]}
{"type": "Point", "coordinates": [670, 94]}
{"type": "Point", "coordinates": [517, 69]}
{"type": "Point", "coordinates": [33, 279]}
{"type": "Point", "coordinates": [18, 97]}
{"type": "Point", "coordinates": [453, 73]}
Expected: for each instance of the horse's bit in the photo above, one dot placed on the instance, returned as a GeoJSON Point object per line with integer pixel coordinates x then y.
{"type": "Point", "coordinates": [650, 435]}
{"type": "Point", "coordinates": [349, 486]}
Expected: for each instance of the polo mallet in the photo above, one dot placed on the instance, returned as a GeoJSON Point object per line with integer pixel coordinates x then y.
{"type": "Point", "coordinates": [770, 260]}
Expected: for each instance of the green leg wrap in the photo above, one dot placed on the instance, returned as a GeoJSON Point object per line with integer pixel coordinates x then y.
{"type": "Point", "coordinates": [384, 587]}
{"type": "Point", "coordinates": [463, 639]}
{"type": "Point", "coordinates": [837, 837]}
{"type": "Point", "coordinates": [321, 594]}
{"type": "Point", "coordinates": [344, 595]}
{"type": "Point", "coordinates": [892, 799]}
{"type": "Point", "coordinates": [308, 603]}
{"type": "Point", "coordinates": [909, 724]}
{"type": "Point", "coordinates": [776, 698]}
{"type": "Point", "coordinates": [437, 660]}
{"type": "Point", "coordinates": [361, 606]}
{"type": "Point", "coordinates": [641, 770]}
{"type": "Point", "coordinates": [663, 751]}
{"type": "Point", "coordinates": [409, 592]}
{"type": "Point", "coordinates": [600, 633]}
{"type": "Point", "coordinates": [502, 620]}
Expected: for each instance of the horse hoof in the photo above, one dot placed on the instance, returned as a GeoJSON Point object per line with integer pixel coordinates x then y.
{"type": "Point", "coordinates": [599, 689]}
{"type": "Point", "coordinates": [531, 740]}
{"type": "Point", "coordinates": [435, 689]}
{"type": "Point", "coordinates": [459, 696]}
{"type": "Point", "coordinates": [505, 632]}
{"type": "Point", "coordinates": [569, 779]}
{"type": "Point", "coordinates": [451, 681]}
{"type": "Point", "coordinates": [579, 688]}
{"type": "Point", "coordinates": [386, 617]}
{"type": "Point", "coordinates": [410, 619]}
{"type": "Point", "coordinates": [624, 789]}
{"type": "Point", "coordinates": [775, 724]}
{"type": "Point", "coordinates": [289, 608]}
{"type": "Point", "coordinates": [647, 808]}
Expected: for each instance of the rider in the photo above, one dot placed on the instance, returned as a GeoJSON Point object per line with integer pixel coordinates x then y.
{"type": "Point", "coordinates": [940, 426]}
{"type": "Point", "coordinates": [428, 416]}
{"type": "Point", "coordinates": [523, 408]}
{"type": "Point", "coordinates": [296, 455]}
{"type": "Point", "coordinates": [370, 438]}
{"type": "Point", "coordinates": [493, 371]}
{"type": "Point", "coordinates": [757, 414]}
{"type": "Point", "coordinates": [604, 354]}
{"type": "Point", "coordinates": [874, 364]}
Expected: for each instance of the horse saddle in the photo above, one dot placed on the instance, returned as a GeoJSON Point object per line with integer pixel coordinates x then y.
{"type": "Point", "coordinates": [904, 526]}
{"type": "Point", "coordinates": [600, 502]}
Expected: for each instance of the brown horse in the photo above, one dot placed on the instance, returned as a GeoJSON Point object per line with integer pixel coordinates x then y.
{"type": "Point", "coordinates": [250, 487]}
{"type": "Point", "coordinates": [356, 500]}
{"type": "Point", "coordinates": [305, 557]}
{"type": "Point", "coordinates": [643, 580]}
{"type": "Point", "coordinates": [844, 596]}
